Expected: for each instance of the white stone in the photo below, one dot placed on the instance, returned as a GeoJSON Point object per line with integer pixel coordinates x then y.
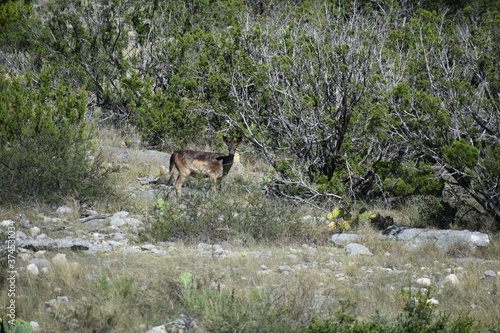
{"type": "Point", "coordinates": [424, 282]}
{"type": "Point", "coordinates": [120, 215]}
{"type": "Point", "coordinates": [284, 269]}
{"type": "Point", "coordinates": [148, 247]}
{"type": "Point", "coordinates": [33, 269]}
{"type": "Point", "coordinates": [39, 254]}
{"type": "Point", "coordinates": [35, 231]}
{"type": "Point", "coordinates": [7, 223]}
{"type": "Point", "coordinates": [490, 273]}
{"type": "Point", "coordinates": [452, 278]}
{"type": "Point", "coordinates": [60, 260]}
{"type": "Point", "coordinates": [158, 329]}
{"type": "Point", "coordinates": [64, 210]}
{"type": "Point", "coordinates": [343, 239]}
{"type": "Point", "coordinates": [117, 222]}
{"type": "Point", "coordinates": [133, 222]}
{"type": "Point", "coordinates": [35, 326]}
{"type": "Point", "coordinates": [354, 249]}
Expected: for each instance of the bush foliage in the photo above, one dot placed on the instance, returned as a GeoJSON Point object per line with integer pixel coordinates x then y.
{"type": "Point", "coordinates": [45, 142]}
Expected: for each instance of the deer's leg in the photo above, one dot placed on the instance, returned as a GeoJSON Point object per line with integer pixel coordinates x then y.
{"type": "Point", "coordinates": [178, 183]}
{"type": "Point", "coordinates": [214, 184]}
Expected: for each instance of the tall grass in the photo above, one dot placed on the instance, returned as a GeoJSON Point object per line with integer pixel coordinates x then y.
{"type": "Point", "coordinates": [233, 215]}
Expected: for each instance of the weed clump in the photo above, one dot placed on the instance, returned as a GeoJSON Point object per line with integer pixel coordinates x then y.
{"type": "Point", "coordinates": [225, 217]}
{"type": "Point", "coordinates": [418, 315]}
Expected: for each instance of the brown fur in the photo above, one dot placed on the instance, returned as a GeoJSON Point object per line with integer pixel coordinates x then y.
{"type": "Point", "coordinates": [213, 165]}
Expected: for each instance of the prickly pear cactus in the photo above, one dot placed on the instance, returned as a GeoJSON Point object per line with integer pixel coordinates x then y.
{"type": "Point", "coordinates": [21, 326]}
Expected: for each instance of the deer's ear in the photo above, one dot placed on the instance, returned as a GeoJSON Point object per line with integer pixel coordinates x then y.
{"type": "Point", "coordinates": [225, 139]}
{"type": "Point", "coordinates": [239, 139]}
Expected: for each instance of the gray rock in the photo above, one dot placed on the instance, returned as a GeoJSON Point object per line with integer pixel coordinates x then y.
{"type": "Point", "coordinates": [120, 155]}
{"type": "Point", "coordinates": [60, 260]}
{"type": "Point", "coordinates": [21, 235]}
{"type": "Point", "coordinates": [120, 215]}
{"type": "Point", "coordinates": [60, 302]}
{"type": "Point", "coordinates": [35, 231]}
{"type": "Point", "coordinates": [158, 329]}
{"type": "Point", "coordinates": [148, 247]}
{"type": "Point", "coordinates": [102, 247]}
{"type": "Point", "coordinates": [284, 269]}
{"type": "Point", "coordinates": [343, 239]}
{"type": "Point", "coordinates": [354, 249]}
{"type": "Point", "coordinates": [451, 279]}
{"type": "Point", "coordinates": [7, 223]}
{"type": "Point", "coordinates": [146, 195]}
{"type": "Point", "coordinates": [147, 180]}
{"type": "Point", "coordinates": [118, 236]}
{"type": "Point", "coordinates": [215, 249]}
{"type": "Point", "coordinates": [35, 326]}
{"type": "Point", "coordinates": [306, 265]}
{"type": "Point", "coordinates": [154, 155]}
{"type": "Point", "coordinates": [49, 244]}
{"type": "Point", "coordinates": [64, 210]}
{"type": "Point", "coordinates": [443, 239]}
{"type": "Point", "coordinates": [133, 222]}
{"type": "Point", "coordinates": [182, 324]}
{"type": "Point", "coordinates": [33, 269]}
{"type": "Point", "coordinates": [119, 222]}
{"type": "Point", "coordinates": [23, 221]}
{"type": "Point", "coordinates": [490, 273]}
{"type": "Point", "coordinates": [40, 262]}
{"type": "Point", "coordinates": [218, 250]}
{"type": "Point", "coordinates": [97, 223]}
{"type": "Point", "coordinates": [132, 249]}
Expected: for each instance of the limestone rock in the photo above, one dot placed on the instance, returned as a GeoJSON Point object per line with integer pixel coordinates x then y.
{"type": "Point", "coordinates": [443, 239]}
{"type": "Point", "coordinates": [343, 239]}
{"type": "Point", "coordinates": [354, 249]}
{"type": "Point", "coordinates": [50, 244]}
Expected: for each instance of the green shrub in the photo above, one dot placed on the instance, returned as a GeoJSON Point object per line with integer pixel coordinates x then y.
{"type": "Point", "coordinates": [13, 15]}
{"type": "Point", "coordinates": [402, 179]}
{"type": "Point", "coordinates": [46, 151]}
{"type": "Point", "coordinates": [158, 115]}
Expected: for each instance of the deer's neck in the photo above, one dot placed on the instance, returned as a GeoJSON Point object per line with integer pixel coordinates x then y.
{"type": "Point", "coordinates": [227, 163]}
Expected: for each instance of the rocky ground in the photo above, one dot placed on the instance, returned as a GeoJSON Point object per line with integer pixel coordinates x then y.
{"type": "Point", "coordinates": [42, 248]}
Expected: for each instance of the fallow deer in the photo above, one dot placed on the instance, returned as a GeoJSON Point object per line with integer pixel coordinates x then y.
{"type": "Point", "coordinates": [213, 165]}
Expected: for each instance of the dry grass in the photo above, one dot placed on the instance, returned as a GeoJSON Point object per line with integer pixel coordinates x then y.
{"type": "Point", "coordinates": [130, 292]}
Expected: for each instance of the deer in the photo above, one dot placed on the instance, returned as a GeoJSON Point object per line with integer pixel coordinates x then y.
{"type": "Point", "coordinates": [214, 165]}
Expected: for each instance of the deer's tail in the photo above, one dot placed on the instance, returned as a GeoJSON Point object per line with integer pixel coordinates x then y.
{"type": "Point", "coordinates": [171, 168]}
